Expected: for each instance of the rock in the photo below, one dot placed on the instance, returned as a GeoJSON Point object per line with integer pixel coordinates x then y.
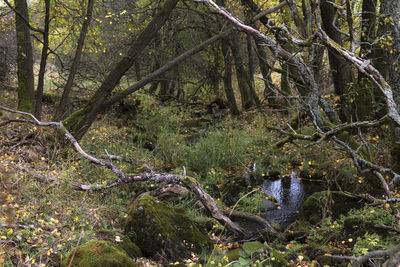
{"type": "Point", "coordinates": [333, 202]}
{"type": "Point", "coordinates": [99, 253]}
{"type": "Point", "coordinates": [121, 241]}
{"type": "Point", "coordinates": [163, 232]}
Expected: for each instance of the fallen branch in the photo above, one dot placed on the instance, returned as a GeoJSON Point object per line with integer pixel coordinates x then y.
{"type": "Point", "coordinates": [388, 228]}
{"type": "Point", "coordinates": [359, 261]}
{"type": "Point", "coordinates": [251, 217]}
{"type": "Point", "coordinates": [69, 137]}
{"type": "Point", "coordinates": [41, 177]}
{"type": "Point", "coordinates": [189, 182]}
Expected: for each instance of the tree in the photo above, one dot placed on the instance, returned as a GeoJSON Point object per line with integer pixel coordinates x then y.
{"type": "Point", "coordinates": [26, 92]}
{"type": "Point", "coordinates": [75, 63]}
{"type": "Point", "coordinates": [80, 121]}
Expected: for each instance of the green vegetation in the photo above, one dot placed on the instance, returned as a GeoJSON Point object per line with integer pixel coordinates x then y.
{"type": "Point", "coordinates": [188, 138]}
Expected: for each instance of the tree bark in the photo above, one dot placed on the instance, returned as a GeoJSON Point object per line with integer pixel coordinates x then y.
{"type": "Point", "coordinates": [80, 121]}
{"type": "Point", "coordinates": [26, 94]}
{"type": "Point", "coordinates": [230, 94]}
{"type": "Point", "coordinates": [390, 9]}
{"type": "Point", "coordinates": [341, 71]}
{"type": "Point", "coordinates": [248, 97]}
{"type": "Point", "coordinates": [364, 88]}
{"type": "Point", "coordinates": [61, 109]}
{"type": "Point", "coordinates": [43, 61]}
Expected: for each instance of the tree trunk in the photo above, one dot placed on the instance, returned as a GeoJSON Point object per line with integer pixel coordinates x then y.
{"type": "Point", "coordinates": [242, 76]}
{"type": "Point", "coordinates": [80, 121]}
{"type": "Point", "coordinates": [390, 9]}
{"type": "Point", "coordinates": [269, 93]}
{"type": "Point", "coordinates": [75, 64]}
{"type": "Point", "coordinates": [26, 94]}
{"type": "Point", "coordinates": [230, 95]}
{"type": "Point", "coordinates": [250, 59]}
{"type": "Point", "coordinates": [43, 62]}
{"type": "Point", "coordinates": [364, 88]}
{"type": "Point", "coordinates": [340, 69]}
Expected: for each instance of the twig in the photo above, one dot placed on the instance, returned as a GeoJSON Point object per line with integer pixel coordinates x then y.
{"type": "Point", "coordinates": [46, 178]}
{"type": "Point", "coordinates": [389, 228]}
{"type": "Point", "coordinates": [76, 248]}
{"type": "Point", "coordinates": [69, 137]}
{"type": "Point", "coordinates": [188, 182]}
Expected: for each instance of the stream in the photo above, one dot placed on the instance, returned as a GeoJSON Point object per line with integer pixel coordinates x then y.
{"type": "Point", "coordinates": [290, 193]}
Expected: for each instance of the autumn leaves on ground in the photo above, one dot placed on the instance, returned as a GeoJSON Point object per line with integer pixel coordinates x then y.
{"type": "Point", "coordinates": [43, 221]}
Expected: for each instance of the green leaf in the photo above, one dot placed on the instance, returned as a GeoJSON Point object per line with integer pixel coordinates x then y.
{"type": "Point", "coordinates": [252, 247]}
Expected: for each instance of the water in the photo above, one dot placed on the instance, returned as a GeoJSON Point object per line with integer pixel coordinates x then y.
{"type": "Point", "coordinates": [290, 193]}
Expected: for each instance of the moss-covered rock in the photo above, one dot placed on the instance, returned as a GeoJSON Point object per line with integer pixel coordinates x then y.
{"type": "Point", "coordinates": [99, 253]}
{"type": "Point", "coordinates": [121, 241]}
{"type": "Point", "coordinates": [163, 232]}
{"type": "Point", "coordinates": [326, 203]}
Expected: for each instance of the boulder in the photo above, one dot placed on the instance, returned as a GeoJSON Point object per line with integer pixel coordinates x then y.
{"type": "Point", "coordinates": [163, 233]}
{"type": "Point", "coordinates": [99, 253]}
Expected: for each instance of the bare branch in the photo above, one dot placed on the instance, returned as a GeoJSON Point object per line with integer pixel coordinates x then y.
{"type": "Point", "coordinates": [70, 138]}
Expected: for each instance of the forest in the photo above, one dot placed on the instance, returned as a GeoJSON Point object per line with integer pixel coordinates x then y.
{"type": "Point", "coordinates": [200, 133]}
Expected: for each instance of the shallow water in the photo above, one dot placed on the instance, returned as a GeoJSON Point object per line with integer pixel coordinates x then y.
{"type": "Point", "coordinates": [290, 193]}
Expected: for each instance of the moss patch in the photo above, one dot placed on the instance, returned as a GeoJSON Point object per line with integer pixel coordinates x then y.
{"type": "Point", "coordinates": [162, 232]}
{"type": "Point", "coordinates": [99, 253]}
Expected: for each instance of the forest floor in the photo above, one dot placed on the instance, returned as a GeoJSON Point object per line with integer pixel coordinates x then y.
{"type": "Point", "coordinates": [42, 221]}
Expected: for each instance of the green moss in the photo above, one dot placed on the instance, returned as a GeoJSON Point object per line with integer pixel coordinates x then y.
{"type": "Point", "coordinates": [99, 253]}
{"type": "Point", "coordinates": [189, 181]}
{"type": "Point", "coordinates": [162, 232]}
{"type": "Point", "coordinates": [75, 121]}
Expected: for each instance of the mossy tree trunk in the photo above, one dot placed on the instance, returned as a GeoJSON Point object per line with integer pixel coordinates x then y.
{"type": "Point", "coordinates": [43, 61]}
{"type": "Point", "coordinates": [80, 121]}
{"type": "Point", "coordinates": [26, 94]}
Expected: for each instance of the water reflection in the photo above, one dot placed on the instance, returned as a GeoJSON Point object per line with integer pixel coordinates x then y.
{"type": "Point", "coordinates": [290, 193]}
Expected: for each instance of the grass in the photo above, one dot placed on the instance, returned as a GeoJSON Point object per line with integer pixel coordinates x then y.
{"type": "Point", "coordinates": [43, 222]}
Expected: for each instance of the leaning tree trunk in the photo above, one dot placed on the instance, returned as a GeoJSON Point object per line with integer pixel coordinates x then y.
{"type": "Point", "coordinates": [75, 63]}
{"type": "Point", "coordinates": [26, 94]}
{"type": "Point", "coordinates": [80, 121]}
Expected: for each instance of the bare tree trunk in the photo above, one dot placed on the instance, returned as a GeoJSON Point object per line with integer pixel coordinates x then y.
{"type": "Point", "coordinates": [43, 61]}
{"type": "Point", "coordinates": [341, 71]}
{"type": "Point", "coordinates": [247, 91]}
{"type": "Point", "coordinates": [390, 9]}
{"type": "Point", "coordinates": [230, 95]}
{"type": "Point", "coordinates": [75, 64]}
{"type": "Point", "coordinates": [26, 94]}
{"type": "Point", "coordinates": [364, 88]}
{"type": "Point", "coordinates": [250, 60]}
